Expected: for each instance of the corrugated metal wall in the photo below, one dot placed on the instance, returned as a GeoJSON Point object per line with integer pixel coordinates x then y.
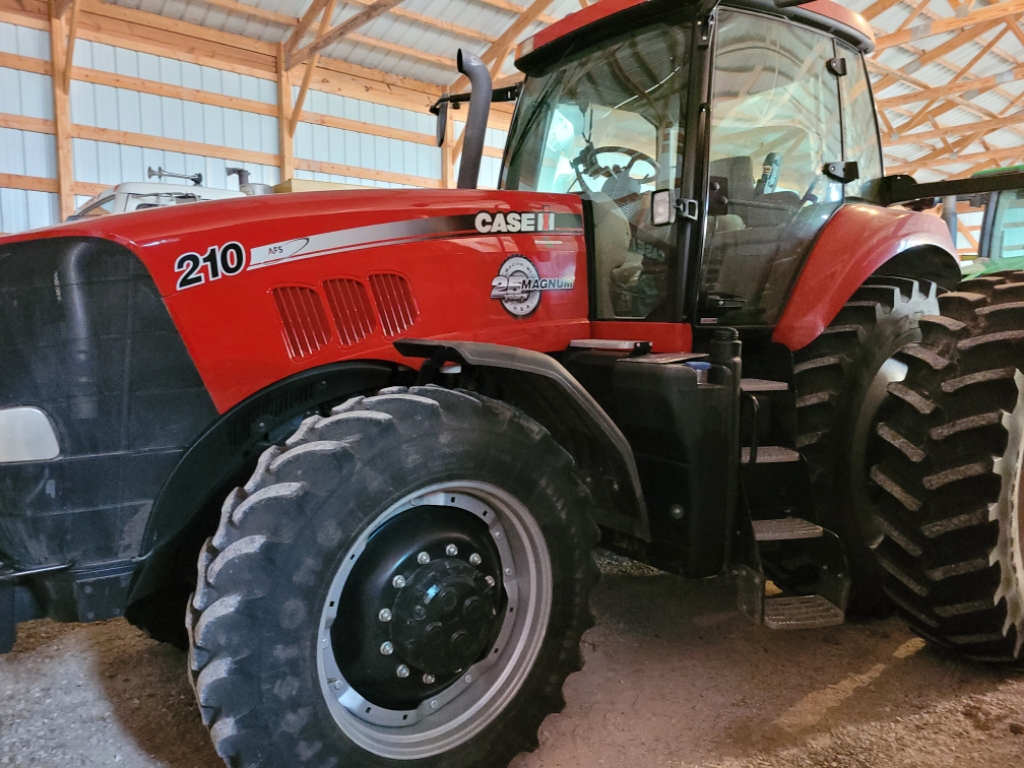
{"type": "Point", "coordinates": [27, 153]}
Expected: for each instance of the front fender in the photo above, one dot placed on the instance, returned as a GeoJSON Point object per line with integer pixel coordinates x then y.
{"type": "Point", "coordinates": [855, 244]}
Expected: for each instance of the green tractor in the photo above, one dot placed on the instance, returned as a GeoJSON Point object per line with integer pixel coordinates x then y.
{"type": "Point", "coordinates": [1000, 246]}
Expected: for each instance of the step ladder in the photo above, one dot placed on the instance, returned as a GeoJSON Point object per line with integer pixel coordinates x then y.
{"type": "Point", "coordinates": [824, 607]}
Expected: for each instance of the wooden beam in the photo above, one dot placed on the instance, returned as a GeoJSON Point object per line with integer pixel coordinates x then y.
{"type": "Point", "coordinates": [975, 84]}
{"type": "Point", "coordinates": [430, 21]}
{"type": "Point", "coordinates": [31, 183]}
{"type": "Point", "coordinates": [61, 118]}
{"type": "Point", "coordinates": [285, 140]}
{"type": "Point", "coordinates": [147, 141]}
{"type": "Point", "coordinates": [251, 10]}
{"type": "Point", "coordinates": [973, 157]}
{"type": "Point", "coordinates": [878, 8]}
{"type": "Point", "coordinates": [347, 27]}
{"type": "Point", "coordinates": [304, 24]}
{"type": "Point", "coordinates": [505, 5]}
{"type": "Point", "coordinates": [22, 123]}
{"type": "Point", "coordinates": [337, 169]}
{"type": "Point", "coordinates": [936, 27]}
{"type": "Point", "coordinates": [403, 50]}
{"type": "Point", "coordinates": [69, 57]}
{"type": "Point", "coordinates": [156, 88]}
{"type": "Point", "coordinates": [325, 23]}
{"type": "Point", "coordinates": [60, 7]}
{"type": "Point", "coordinates": [24, 63]}
{"type": "Point", "coordinates": [985, 126]}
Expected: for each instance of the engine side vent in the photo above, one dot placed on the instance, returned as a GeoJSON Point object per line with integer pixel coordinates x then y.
{"type": "Point", "coordinates": [306, 329]}
{"type": "Point", "coordinates": [394, 302]}
{"type": "Point", "coordinates": [350, 306]}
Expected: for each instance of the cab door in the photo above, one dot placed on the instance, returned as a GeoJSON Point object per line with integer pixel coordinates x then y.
{"type": "Point", "coordinates": [774, 127]}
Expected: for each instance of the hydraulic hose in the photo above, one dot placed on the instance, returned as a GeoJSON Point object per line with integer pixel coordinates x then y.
{"type": "Point", "coordinates": [476, 124]}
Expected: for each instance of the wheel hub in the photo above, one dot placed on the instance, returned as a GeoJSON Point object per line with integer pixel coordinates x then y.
{"type": "Point", "coordinates": [444, 616]}
{"type": "Point", "coordinates": [423, 604]}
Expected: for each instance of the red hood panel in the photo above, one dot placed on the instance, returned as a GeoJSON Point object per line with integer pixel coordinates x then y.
{"type": "Point", "coordinates": [262, 288]}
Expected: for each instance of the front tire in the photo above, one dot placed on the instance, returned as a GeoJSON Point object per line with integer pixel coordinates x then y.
{"type": "Point", "coordinates": [406, 580]}
{"type": "Point", "coordinates": [952, 474]}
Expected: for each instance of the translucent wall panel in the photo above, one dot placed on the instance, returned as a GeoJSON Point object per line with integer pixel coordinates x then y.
{"type": "Point", "coordinates": [23, 209]}
{"type": "Point", "coordinates": [101, 162]}
{"type": "Point", "coordinates": [161, 69]}
{"type": "Point", "coordinates": [23, 41]}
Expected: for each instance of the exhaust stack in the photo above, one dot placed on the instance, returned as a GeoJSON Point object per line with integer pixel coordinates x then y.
{"type": "Point", "coordinates": [476, 123]}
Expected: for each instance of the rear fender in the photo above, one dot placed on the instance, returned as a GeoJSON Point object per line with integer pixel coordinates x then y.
{"type": "Point", "coordinates": [859, 241]}
{"type": "Point", "coordinates": [542, 388]}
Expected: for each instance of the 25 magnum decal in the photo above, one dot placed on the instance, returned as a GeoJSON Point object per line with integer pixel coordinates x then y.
{"type": "Point", "coordinates": [518, 286]}
{"type": "Point", "coordinates": [225, 261]}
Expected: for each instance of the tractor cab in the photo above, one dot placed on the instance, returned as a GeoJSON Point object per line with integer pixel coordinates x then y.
{"type": "Point", "coordinates": [746, 128]}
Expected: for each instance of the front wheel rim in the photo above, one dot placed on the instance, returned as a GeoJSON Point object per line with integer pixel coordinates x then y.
{"type": "Point", "coordinates": [453, 716]}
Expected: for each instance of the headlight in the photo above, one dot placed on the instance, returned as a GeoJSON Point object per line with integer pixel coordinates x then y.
{"type": "Point", "coordinates": [26, 434]}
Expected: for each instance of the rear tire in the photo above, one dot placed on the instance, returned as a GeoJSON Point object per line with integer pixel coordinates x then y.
{"type": "Point", "coordinates": [288, 627]}
{"type": "Point", "coordinates": [951, 474]}
{"type": "Point", "coordinates": [840, 381]}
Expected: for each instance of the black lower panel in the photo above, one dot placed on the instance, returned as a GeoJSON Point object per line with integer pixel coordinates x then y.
{"type": "Point", "coordinates": [86, 337]}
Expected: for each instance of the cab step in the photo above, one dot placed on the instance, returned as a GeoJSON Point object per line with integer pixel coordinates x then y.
{"type": "Point", "coordinates": [763, 385]}
{"type": "Point", "coordinates": [803, 612]}
{"type": "Point", "coordinates": [770, 454]}
{"type": "Point", "coordinates": [786, 529]}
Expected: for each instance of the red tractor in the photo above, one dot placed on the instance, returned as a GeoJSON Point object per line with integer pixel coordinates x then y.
{"type": "Point", "coordinates": [391, 426]}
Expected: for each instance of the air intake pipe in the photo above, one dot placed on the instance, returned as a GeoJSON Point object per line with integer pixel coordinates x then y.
{"type": "Point", "coordinates": [476, 124]}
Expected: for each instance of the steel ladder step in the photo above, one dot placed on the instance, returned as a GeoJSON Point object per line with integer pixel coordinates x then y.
{"type": "Point", "coordinates": [786, 529]}
{"type": "Point", "coordinates": [808, 612]}
{"type": "Point", "coordinates": [771, 454]}
{"type": "Point", "coordinates": [763, 385]}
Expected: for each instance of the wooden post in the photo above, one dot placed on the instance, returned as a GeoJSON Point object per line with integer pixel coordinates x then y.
{"type": "Point", "coordinates": [284, 115]}
{"type": "Point", "coordinates": [61, 115]}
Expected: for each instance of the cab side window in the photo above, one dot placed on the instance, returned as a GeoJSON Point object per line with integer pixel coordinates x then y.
{"type": "Point", "coordinates": [860, 126]}
{"type": "Point", "coordinates": [775, 124]}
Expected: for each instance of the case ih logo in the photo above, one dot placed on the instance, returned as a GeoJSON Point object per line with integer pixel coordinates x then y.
{"type": "Point", "coordinates": [487, 222]}
{"type": "Point", "coordinates": [518, 286]}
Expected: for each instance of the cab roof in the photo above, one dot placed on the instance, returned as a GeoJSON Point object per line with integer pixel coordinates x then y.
{"type": "Point", "coordinates": [824, 13]}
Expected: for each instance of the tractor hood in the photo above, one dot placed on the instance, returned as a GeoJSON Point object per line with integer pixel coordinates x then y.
{"type": "Point", "coordinates": [261, 288]}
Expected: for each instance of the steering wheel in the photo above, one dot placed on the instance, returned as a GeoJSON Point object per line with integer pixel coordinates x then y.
{"type": "Point", "coordinates": [594, 168]}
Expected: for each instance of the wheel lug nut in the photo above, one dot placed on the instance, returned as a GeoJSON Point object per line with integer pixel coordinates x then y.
{"type": "Point", "coordinates": [398, 582]}
{"type": "Point", "coordinates": [422, 558]}
{"type": "Point", "coordinates": [428, 679]}
{"type": "Point", "coordinates": [475, 559]}
{"type": "Point", "coordinates": [384, 615]}
{"type": "Point", "coordinates": [490, 580]}
{"type": "Point", "coordinates": [402, 671]}
{"type": "Point", "coordinates": [387, 648]}
{"type": "Point", "coordinates": [451, 550]}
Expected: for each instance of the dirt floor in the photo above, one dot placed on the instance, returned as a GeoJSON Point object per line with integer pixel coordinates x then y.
{"type": "Point", "coordinates": [674, 677]}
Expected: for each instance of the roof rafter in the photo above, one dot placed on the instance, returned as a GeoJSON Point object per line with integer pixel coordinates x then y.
{"type": "Point", "coordinates": [938, 26]}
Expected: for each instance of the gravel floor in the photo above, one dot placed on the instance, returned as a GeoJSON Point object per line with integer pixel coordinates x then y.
{"type": "Point", "coordinates": [674, 677]}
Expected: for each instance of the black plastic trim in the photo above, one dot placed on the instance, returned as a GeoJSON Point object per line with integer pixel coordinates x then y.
{"type": "Point", "coordinates": [221, 455]}
{"type": "Point", "coordinates": [584, 412]}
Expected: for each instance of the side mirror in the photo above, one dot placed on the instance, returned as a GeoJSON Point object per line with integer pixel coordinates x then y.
{"type": "Point", "coordinates": [663, 207]}
{"type": "Point", "coordinates": [442, 121]}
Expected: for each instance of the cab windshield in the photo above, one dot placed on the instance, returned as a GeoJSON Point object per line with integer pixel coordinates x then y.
{"type": "Point", "coordinates": [607, 126]}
